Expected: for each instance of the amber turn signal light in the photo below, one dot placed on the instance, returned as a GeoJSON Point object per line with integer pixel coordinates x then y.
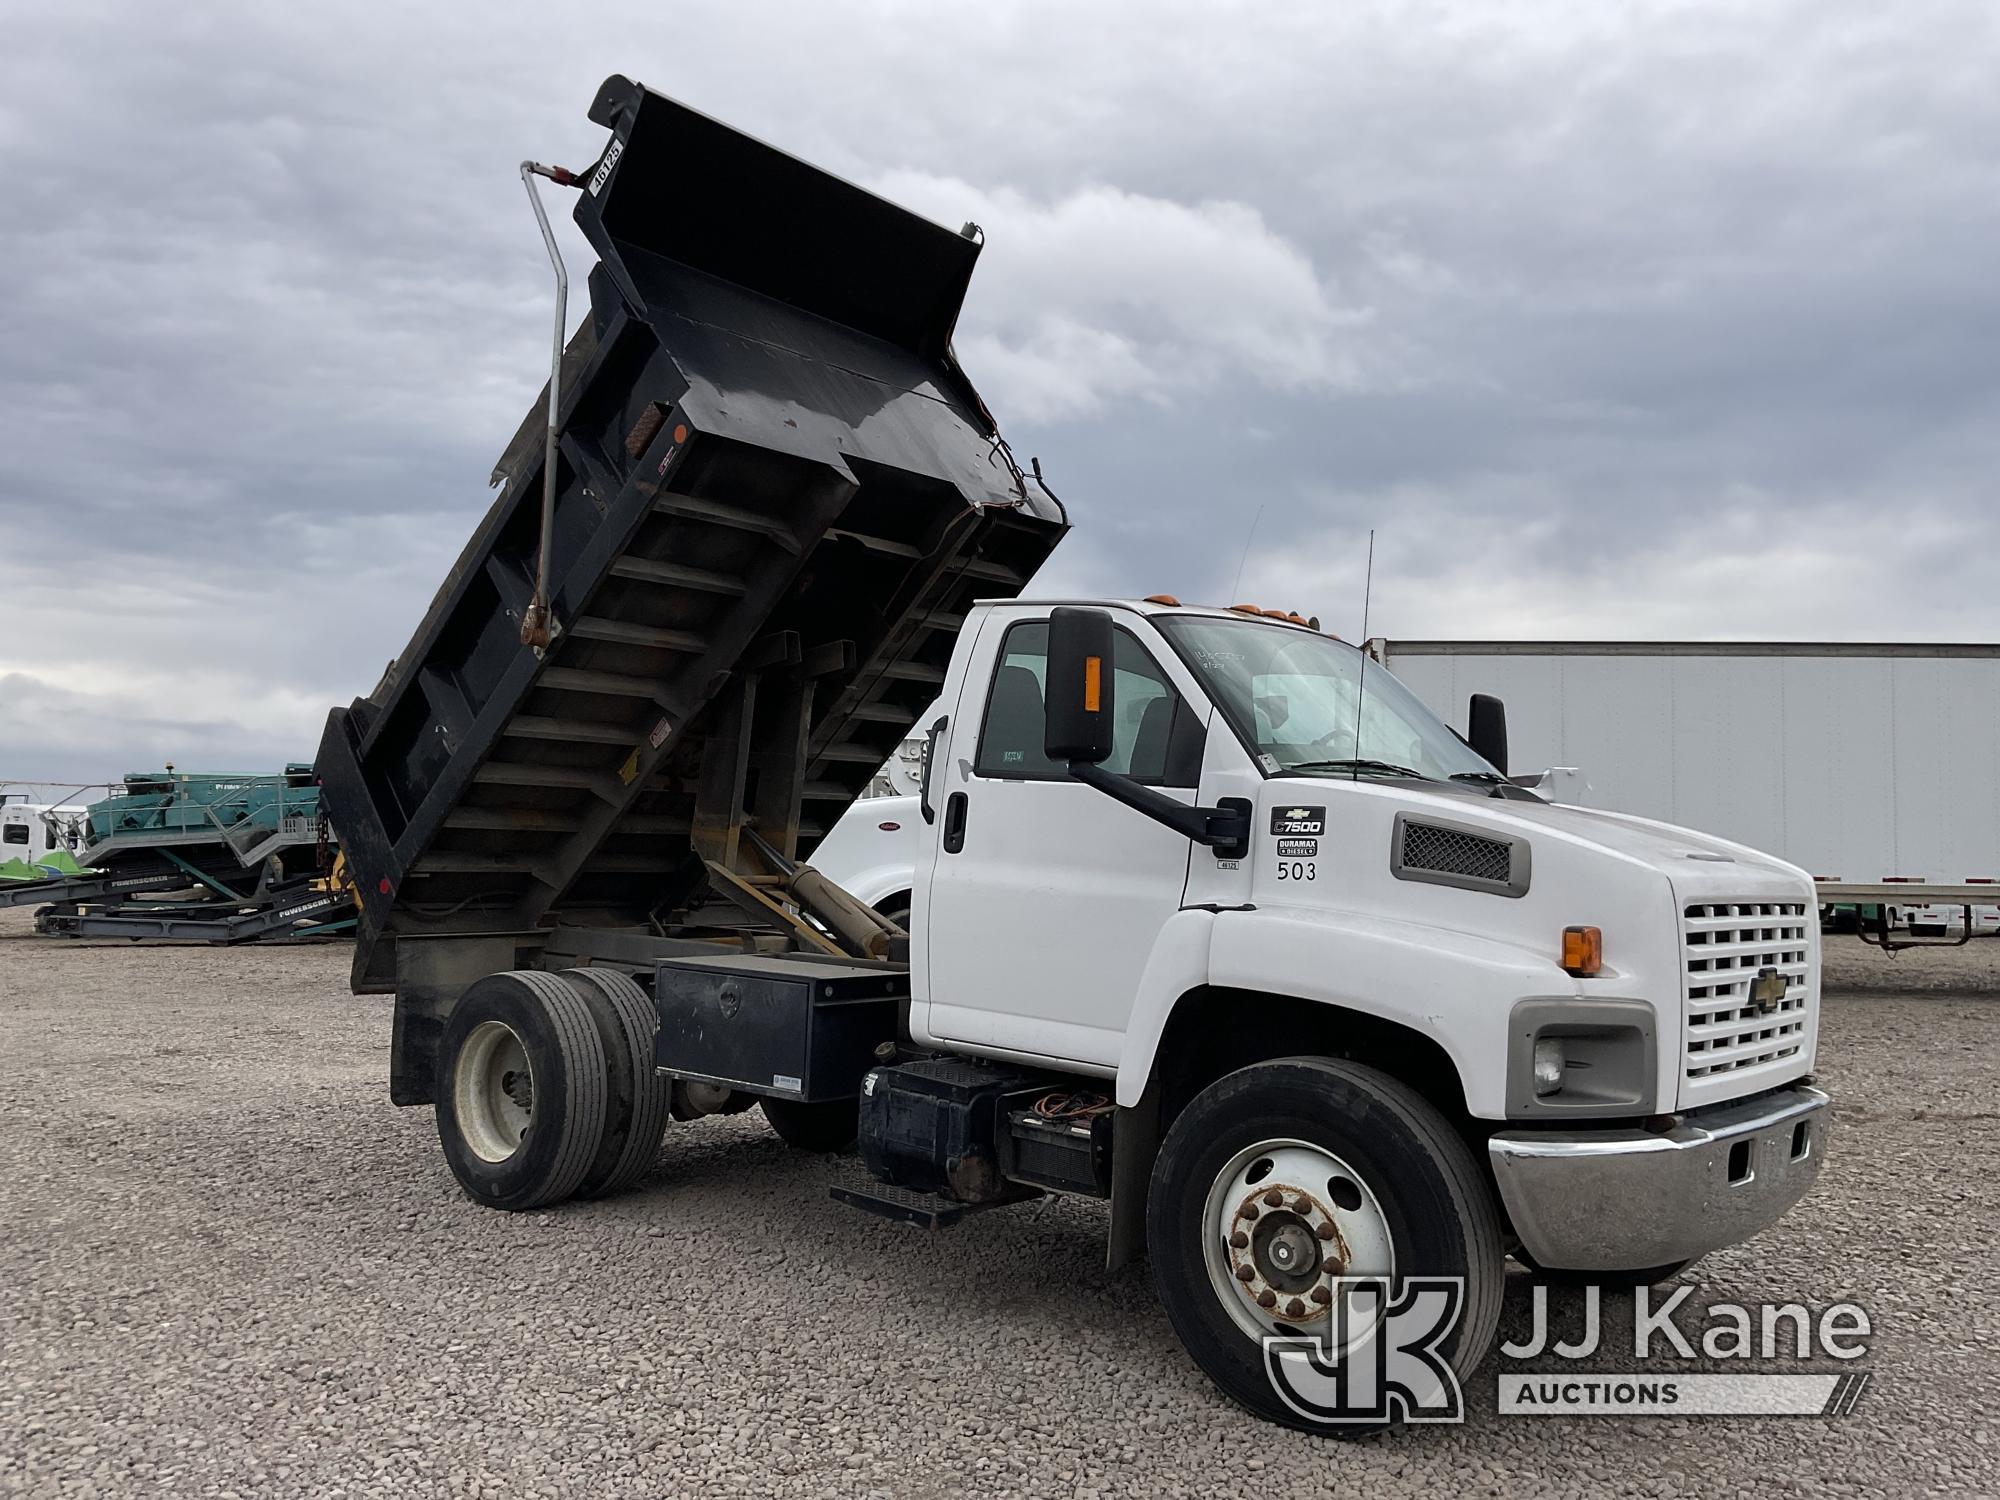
{"type": "Point", "coordinates": [1583, 951]}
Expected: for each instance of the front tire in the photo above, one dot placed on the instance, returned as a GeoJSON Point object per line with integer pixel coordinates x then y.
{"type": "Point", "coordinates": [1361, 1164]}
{"type": "Point", "coordinates": [521, 1097]}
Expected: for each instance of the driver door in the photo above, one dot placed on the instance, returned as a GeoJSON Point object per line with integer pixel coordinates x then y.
{"type": "Point", "coordinates": [1047, 896]}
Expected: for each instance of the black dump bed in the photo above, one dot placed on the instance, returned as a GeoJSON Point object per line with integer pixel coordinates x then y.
{"type": "Point", "coordinates": [777, 495]}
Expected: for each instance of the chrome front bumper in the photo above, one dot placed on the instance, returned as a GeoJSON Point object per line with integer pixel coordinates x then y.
{"type": "Point", "coordinates": [1613, 1200]}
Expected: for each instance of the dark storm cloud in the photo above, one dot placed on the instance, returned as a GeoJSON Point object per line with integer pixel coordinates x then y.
{"type": "Point", "coordinates": [1623, 320]}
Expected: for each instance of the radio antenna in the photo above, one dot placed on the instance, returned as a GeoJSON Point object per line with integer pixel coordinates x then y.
{"type": "Point", "coordinates": [1249, 537]}
{"type": "Point", "coordinates": [1361, 678]}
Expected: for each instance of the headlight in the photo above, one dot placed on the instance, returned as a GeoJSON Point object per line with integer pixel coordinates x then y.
{"type": "Point", "coordinates": [1549, 1062]}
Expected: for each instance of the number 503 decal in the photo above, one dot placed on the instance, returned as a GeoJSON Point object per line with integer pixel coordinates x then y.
{"type": "Point", "coordinates": [1298, 869]}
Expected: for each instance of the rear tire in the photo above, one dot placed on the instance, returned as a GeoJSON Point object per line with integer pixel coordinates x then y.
{"type": "Point", "coordinates": [828, 1128]}
{"type": "Point", "coordinates": [1399, 1184]}
{"type": "Point", "coordinates": [638, 1097]}
{"type": "Point", "coordinates": [521, 1091]}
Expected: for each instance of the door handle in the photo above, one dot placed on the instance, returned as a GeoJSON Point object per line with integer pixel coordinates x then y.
{"type": "Point", "coordinates": [924, 781]}
{"type": "Point", "coordinates": [954, 822]}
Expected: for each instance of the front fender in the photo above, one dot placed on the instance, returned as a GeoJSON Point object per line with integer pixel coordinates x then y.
{"type": "Point", "coordinates": [1454, 988]}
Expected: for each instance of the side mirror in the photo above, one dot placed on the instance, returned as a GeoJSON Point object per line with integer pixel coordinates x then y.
{"type": "Point", "coordinates": [1078, 699]}
{"type": "Point", "coordinates": [1486, 730]}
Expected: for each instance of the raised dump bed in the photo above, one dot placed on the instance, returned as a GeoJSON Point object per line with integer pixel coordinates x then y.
{"type": "Point", "coordinates": [776, 495]}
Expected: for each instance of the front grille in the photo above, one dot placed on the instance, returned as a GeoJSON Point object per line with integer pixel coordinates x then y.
{"type": "Point", "coordinates": [1728, 943]}
{"type": "Point", "coordinates": [1451, 852]}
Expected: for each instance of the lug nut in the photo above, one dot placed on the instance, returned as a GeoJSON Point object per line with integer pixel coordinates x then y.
{"type": "Point", "coordinates": [1267, 1298]}
{"type": "Point", "coordinates": [1239, 1240]}
{"type": "Point", "coordinates": [1295, 1308]}
{"type": "Point", "coordinates": [1274, 1199]}
{"type": "Point", "coordinates": [1321, 1294]}
{"type": "Point", "coordinates": [1325, 1231]}
{"type": "Point", "coordinates": [1248, 1211]}
{"type": "Point", "coordinates": [1302, 1205]}
{"type": "Point", "coordinates": [1246, 1273]}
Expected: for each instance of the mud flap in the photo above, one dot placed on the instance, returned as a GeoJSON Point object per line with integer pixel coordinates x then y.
{"type": "Point", "coordinates": [1135, 1141]}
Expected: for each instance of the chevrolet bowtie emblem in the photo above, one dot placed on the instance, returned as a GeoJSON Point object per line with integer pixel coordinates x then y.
{"type": "Point", "coordinates": [1767, 991]}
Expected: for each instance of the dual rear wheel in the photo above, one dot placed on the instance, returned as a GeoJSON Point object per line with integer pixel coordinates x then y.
{"type": "Point", "coordinates": [546, 1088]}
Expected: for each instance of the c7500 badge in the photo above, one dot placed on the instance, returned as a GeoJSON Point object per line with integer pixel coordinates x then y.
{"type": "Point", "coordinates": [1298, 822]}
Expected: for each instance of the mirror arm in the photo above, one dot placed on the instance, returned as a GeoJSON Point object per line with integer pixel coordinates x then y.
{"type": "Point", "coordinates": [1224, 828]}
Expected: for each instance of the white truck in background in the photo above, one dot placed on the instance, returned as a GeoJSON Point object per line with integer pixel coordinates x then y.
{"type": "Point", "coordinates": [1874, 767]}
{"type": "Point", "coordinates": [32, 831]}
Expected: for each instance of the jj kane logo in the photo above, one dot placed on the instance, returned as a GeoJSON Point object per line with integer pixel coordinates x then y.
{"type": "Point", "coordinates": [1382, 1359]}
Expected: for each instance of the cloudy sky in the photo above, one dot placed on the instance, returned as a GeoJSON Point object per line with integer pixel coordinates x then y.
{"type": "Point", "coordinates": [1611, 319]}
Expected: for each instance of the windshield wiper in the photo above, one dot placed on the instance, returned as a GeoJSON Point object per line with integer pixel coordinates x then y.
{"type": "Point", "coordinates": [1492, 777]}
{"type": "Point", "coordinates": [1380, 767]}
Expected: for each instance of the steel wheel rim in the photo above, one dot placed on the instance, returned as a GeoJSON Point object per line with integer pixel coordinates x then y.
{"type": "Point", "coordinates": [492, 1091]}
{"type": "Point", "coordinates": [1317, 1191]}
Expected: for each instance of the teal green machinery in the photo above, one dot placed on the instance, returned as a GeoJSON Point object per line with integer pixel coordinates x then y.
{"type": "Point", "coordinates": [219, 823]}
{"type": "Point", "coordinates": [193, 857]}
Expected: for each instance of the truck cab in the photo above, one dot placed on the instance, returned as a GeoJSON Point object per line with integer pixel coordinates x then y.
{"type": "Point", "coordinates": [1392, 872]}
{"type": "Point", "coordinates": [29, 833]}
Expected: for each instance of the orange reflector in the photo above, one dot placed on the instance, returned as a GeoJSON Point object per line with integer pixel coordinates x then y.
{"type": "Point", "coordinates": [1583, 951]}
{"type": "Point", "coordinates": [1167, 599]}
{"type": "Point", "coordinates": [680, 432]}
{"type": "Point", "coordinates": [1093, 683]}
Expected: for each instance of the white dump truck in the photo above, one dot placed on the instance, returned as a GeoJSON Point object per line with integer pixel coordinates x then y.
{"type": "Point", "coordinates": [1202, 924]}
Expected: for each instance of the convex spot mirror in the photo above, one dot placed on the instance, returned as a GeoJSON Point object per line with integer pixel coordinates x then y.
{"type": "Point", "coordinates": [1486, 730]}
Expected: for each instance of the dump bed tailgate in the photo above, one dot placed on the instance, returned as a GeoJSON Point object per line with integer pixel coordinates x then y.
{"type": "Point", "coordinates": [770, 468]}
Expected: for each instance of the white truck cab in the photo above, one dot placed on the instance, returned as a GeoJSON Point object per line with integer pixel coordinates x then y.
{"type": "Point", "coordinates": [1387, 887]}
{"type": "Point", "coordinates": [1617, 1014]}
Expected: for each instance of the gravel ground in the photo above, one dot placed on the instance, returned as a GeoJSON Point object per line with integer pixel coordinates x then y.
{"type": "Point", "coordinates": [229, 1266]}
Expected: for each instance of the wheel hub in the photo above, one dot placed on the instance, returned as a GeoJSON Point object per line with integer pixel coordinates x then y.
{"type": "Point", "coordinates": [519, 1085]}
{"type": "Point", "coordinates": [1285, 1220]}
{"type": "Point", "coordinates": [1284, 1251]}
{"type": "Point", "coordinates": [493, 1091]}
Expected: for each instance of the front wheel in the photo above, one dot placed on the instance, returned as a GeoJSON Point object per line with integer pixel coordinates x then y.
{"type": "Point", "coordinates": [1281, 1177]}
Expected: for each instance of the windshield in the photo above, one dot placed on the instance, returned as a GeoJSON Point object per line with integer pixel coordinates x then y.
{"type": "Point", "coordinates": [1293, 694]}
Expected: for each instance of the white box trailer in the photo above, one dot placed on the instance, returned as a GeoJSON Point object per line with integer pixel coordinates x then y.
{"type": "Point", "coordinates": [1872, 767]}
